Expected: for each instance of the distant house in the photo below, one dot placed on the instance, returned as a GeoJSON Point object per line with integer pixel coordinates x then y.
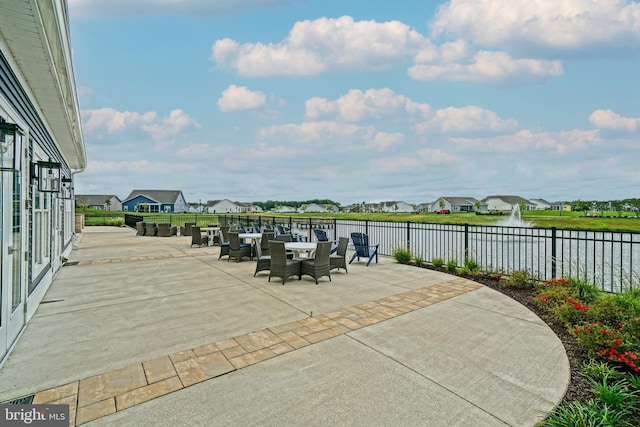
{"type": "Point", "coordinates": [395, 207]}
{"type": "Point", "coordinates": [223, 206]}
{"type": "Point", "coordinates": [561, 206]}
{"type": "Point", "coordinates": [155, 201]}
{"type": "Point", "coordinates": [101, 202]}
{"type": "Point", "coordinates": [457, 204]}
{"type": "Point", "coordinates": [314, 207]}
{"type": "Point", "coordinates": [541, 204]}
{"type": "Point", "coordinates": [284, 209]}
{"type": "Point", "coordinates": [506, 203]}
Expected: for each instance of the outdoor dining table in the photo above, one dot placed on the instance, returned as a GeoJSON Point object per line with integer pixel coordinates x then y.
{"type": "Point", "coordinates": [211, 231]}
{"type": "Point", "coordinates": [298, 247]}
{"type": "Point", "coordinates": [255, 238]}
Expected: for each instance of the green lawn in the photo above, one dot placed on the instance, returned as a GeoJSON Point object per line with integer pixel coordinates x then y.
{"type": "Point", "coordinates": [545, 219]}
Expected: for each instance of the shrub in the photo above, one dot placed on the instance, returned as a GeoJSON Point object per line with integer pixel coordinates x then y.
{"type": "Point", "coordinates": [452, 265]}
{"type": "Point", "coordinates": [463, 271]}
{"type": "Point", "coordinates": [437, 262]}
{"type": "Point", "coordinates": [616, 395]}
{"type": "Point", "coordinates": [553, 296]}
{"type": "Point", "coordinates": [471, 264]}
{"type": "Point", "coordinates": [599, 370]}
{"type": "Point", "coordinates": [589, 413]}
{"type": "Point", "coordinates": [418, 260]}
{"type": "Point", "coordinates": [520, 279]}
{"type": "Point", "coordinates": [606, 310]}
{"type": "Point", "coordinates": [584, 290]}
{"type": "Point", "coordinates": [572, 312]}
{"type": "Point", "coordinates": [116, 222]}
{"type": "Point", "coordinates": [403, 256]}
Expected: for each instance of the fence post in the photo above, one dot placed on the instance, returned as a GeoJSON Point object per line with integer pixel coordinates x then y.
{"type": "Point", "coordinates": [553, 252]}
{"type": "Point", "coordinates": [466, 241]}
{"type": "Point", "coordinates": [310, 228]}
{"type": "Point", "coordinates": [366, 226]}
{"type": "Point", "coordinates": [409, 235]}
{"type": "Point", "coordinates": [335, 231]}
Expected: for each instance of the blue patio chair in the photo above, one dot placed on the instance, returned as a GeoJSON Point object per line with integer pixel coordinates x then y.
{"type": "Point", "coordinates": [363, 248]}
{"type": "Point", "coordinates": [321, 236]}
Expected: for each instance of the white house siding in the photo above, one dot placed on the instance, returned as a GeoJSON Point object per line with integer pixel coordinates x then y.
{"type": "Point", "coordinates": [38, 94]}
{"type": "Point", "coordinates": [496, 204]}
{"type": "Point", "coordinates": [223, 206]}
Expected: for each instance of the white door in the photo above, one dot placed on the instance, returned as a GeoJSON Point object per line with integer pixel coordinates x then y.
{"type": "Point", "coordinates": [12, 288]}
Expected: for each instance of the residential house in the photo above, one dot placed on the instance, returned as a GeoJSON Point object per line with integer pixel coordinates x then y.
{"type": "Point", "coordinates": [457, 204]}
{"type": "Point", "coordinates": [155, 201]}
{"type": "Point", "coordinates": [541, 204]}
{"type": "Point", "coordinates": [506, 203]}
{"type": "Point", "coordinates": [223, 206]}
{"type": "Point", "coordinates": [396, 207]}
{"type": "Point", "coordinates": [314, 207]}
{"type": "Point", "coordinates": [561, 206]}
{"type": "Point", "coordinates": [108, 202]}
{"type": "Point", "coordinates": [284, 209]}
{"type": "Point", "coordinates": [42, 150]}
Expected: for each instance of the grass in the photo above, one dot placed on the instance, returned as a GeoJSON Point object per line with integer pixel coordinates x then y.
{"type": "Point", "coordinates": [542, 219]}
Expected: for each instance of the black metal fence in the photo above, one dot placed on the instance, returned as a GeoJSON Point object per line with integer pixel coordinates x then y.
{"type": "Point", "coordinates": [608, 259]}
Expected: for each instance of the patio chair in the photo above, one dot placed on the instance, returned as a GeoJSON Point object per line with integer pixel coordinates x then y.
{"type": "Point", "coordinates": [224, 243]}
{"type": "Point", "coordinates": [264, 242]}
{"type": "Point", "coordinates": [319, 265]}
{"type": "Point", "coordinates": [338, 259]}
{"type": "Point", "coordinates": [237, 249]}
{"type": "Point", "coordinates": [151, 229]}
{"type": "Point", "coordinates": [186, 230]}
{"type": "Point", "coordinates": [264, 257]}
{"type": "Point", "coordinates": [281, 266]}
{"type": "Point", "coordinates": [141, 228]}
{"type": "Point", "coordinates": [268, 227]}
{"type": "Point", "coordinates": [363, 248]}
{"type": "Point", "coordinates": [216, 237]}
{"type": "Point", "coordinates": [197, 238]}
{"type": "Point", "coordinates": [321, 236]}
{"type": "Point", "coordinates": [166, 230]}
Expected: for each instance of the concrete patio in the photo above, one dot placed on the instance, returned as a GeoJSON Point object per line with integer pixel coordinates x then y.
{"type": "Point", "coordinates": [149, 331]}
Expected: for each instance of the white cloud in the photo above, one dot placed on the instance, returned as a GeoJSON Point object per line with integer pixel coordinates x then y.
{"type": "Point", "coordinates": [313, 47]}
{"type": "Point", "coordinates": [95, 9]}
{"type": "Point", "coordinates": [236, 98]}
{"type": "Point", "coordinates": [317, 133]}
{"type": "Point", "coordinates": [525, 140]}
{"type": "Point", "coordinates": [112, 121]}
{"type": "Point", "coordinates": [558, 25]}
{"type": "Point", "coordinates": [383, 140]}
{"type": "Point", "coordinates": [466, 119]}
{"type": "Point", "coordinates": [177, 122]}
{"type": "Point", "coordinates": [357, 105]}
{"type": "Point", "coordinates": [607, 119]}
{"type": "Point", "coordinates": [481, 66]}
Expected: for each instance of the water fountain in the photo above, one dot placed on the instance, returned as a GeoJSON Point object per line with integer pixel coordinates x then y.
{"type": "Point", "coordinates": [514, 219]}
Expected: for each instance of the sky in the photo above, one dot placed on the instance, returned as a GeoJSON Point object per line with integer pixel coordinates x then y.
{"type": "Point", "coordinates": [359, 101]}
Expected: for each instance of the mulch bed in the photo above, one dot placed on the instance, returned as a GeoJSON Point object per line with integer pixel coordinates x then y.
{"type": "Point", "coordinates": [579, 387]}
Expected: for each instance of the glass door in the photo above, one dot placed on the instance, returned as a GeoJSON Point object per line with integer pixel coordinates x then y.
{"type": "Point", "coordinates": [12, 289]}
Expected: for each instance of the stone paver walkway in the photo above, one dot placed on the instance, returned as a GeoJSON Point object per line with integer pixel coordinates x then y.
{"type": "Point", "coordinates": [101, 395]}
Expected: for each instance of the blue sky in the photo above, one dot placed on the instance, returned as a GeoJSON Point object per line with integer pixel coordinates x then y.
{"type": "Point", "coordinates": [359, 101]}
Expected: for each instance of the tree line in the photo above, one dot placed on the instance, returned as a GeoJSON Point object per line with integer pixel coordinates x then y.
{"type": "Point", "coordinates": [618, 206]}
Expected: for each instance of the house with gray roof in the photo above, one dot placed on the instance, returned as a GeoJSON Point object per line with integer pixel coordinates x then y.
{"type": "Point", "coordinates": [104, 202]}
{"type": "Point", "coordinates": [457, 204]}
{"type": "Point", "coordinates": [155, 201]}
{"type": "Point", "coordinates": [506, 203]}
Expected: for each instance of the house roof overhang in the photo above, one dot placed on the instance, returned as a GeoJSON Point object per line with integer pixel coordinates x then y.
{"type": "Point", "coordinates": [36, 34]}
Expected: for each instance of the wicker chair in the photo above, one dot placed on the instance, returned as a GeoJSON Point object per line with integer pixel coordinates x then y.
{"type": "Point", "coordinates": [264, 242]}
{"type": "Point", "coordinates": [264, 257]}
{"type": "Point", "coordinates": [186, 230]}
{"type": "Point", "coordinates": [166, 230]}
{"type": "Point", "coordinates": [237, 249]}
{"type": "Point", "coordinates": [151, 229]}
{"type": "Point", "coordinates": [224, 244]}
{"type": "Point", "coordinates": [319, 265]}
{"type": "Point", "coordinates": [216, 237]}
{"type": "Point", "coordinates": [281, 266]}
{"type": "Point", "coordinates": [339, 259]}
{"type": "Point", "coordinates": [197, 238]}
{"type": "Point", "coordinates": [141, 228]}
